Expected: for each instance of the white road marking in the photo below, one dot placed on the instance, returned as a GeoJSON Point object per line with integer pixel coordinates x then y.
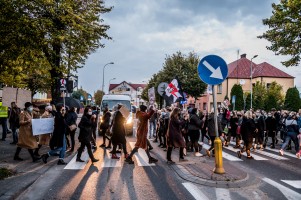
{"type": "Point", "coordinates": [293, 183]}
{"type": "Point", "coordinates": [109, 162]}
{"type": "Point", "coordinates": [222, 194]}
{"type": "Point", "coordinates": [236, 150]}
{"type": "Point", "coordinates": [195, 191]}
{"type": "Point", "coordinates": [78, 165]}
{"type": "Point", "coordinates": [285, 153]}
{"type": "Point", "coordinates": [266, 154]}
{"type": "Point", "coordinates": [288, 193]}
{"type": "Point", "coordinates": [256, 195]}
{"type": "Point", "coordinates": [141, 156]}
{"type": "Point", "coordinates": [224, 154]}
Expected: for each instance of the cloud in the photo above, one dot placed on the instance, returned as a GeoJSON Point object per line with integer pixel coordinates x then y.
{"type": "Point", "coordinates": [144, 32]}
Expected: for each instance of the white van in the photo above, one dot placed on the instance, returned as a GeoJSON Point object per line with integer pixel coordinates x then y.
{"type": "Point", "coordinates": [111, 100]}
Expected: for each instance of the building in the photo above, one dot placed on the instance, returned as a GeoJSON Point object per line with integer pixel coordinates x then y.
{"type": "Point", "coordinates": [132, 89]}
{"type": "Point", "coordinates": [239, 72]}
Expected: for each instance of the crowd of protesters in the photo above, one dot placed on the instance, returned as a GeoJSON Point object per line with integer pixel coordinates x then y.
{"type": "Point", "coordinates": [171, 127]}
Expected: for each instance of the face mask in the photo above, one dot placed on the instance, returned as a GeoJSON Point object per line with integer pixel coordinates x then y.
{"type": "Point", "coordinates": [90, 113]}
{"type": "Point", "coordinates": [30, 109]}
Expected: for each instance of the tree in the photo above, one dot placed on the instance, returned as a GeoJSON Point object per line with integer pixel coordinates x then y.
{"type": "Point", "coordinates": [274, 97]}
{"type": "Point", "coordinates": [259, 94]}
{"type": "Point", "coordinates": [184, 67]}
{"type": "Point", "coordinates": [248, 100]}
{"type": "Point", "coordinates": [98, 96]}
{"type": "Point", "coordinates": [81, 92]}
{"type": "Point", "coordinates": [238, 92]}
{"type": "Point", "coordinates": [63, 32]}
{"type": "Point", "coordinates": [285, 30]}
{"type": "Point", "coordinates": [292, 100]}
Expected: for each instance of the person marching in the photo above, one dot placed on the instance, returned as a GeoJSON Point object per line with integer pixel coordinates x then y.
{"type": "Point", "coordinates": [72, 126]}
{"type": "Point", "coordinates": [58, 140]}
{"type": "Point", "coordinates": [142, 131]}
{"type": "Point", "coordinates": [14, 121]}
{"type": "Point", "coordinates": [194, 126]}
{"type": "Point", "coordinates": [85, 134]}
{"type": "Point", "coordinates": [105, 124]}
{"type": "Point", "coordinates": [211, 132]}
{"type": "Point", "coordinates": [174, 135]}
{"type": "Point", "coordinates": [26, 139]}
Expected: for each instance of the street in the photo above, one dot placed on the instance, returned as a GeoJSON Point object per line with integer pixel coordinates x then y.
{"type": "Point", "coordinates": [268, 176]}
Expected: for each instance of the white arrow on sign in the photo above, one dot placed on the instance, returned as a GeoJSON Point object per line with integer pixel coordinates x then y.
{"type": "Point", "coordinates": [216, 73]}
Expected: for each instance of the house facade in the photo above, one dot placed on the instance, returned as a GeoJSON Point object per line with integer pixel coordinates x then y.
{"type": "Point", "coordinates": [131, 89]}
{"type": "Point", "coordinates": [239, 72]}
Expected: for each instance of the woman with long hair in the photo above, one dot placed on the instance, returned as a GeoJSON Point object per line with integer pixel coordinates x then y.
{"type": "Point", "coordinates": [174, 135]}
{"type": "Point", "coordinates": [72, 126]}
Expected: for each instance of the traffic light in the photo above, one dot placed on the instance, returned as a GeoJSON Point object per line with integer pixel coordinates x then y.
{"type": "Point", "coordinates": [70, 86]}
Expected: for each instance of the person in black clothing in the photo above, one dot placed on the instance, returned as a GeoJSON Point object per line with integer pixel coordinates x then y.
{"type": "Point", "coordinates": [261, 127]}
{"type": "Point", "coordinates": [58, 139]}
{"type": "Point", "coordinates": [105, 124]}
{"type": "Point", "coordinates": [194, 126]}
{"type": "Point", "coordinates": [204, 127]}
{"type": "Point", "coordinates": [247, 131]}
{"type": "Point", "coordinates": [271, 127]}
{"type": "Point", "coordinates": [166, 122]}
{"type": "Point", "coordinates": [85, 134]}
{"type": "Point", "coordinates": [71, 121]}
{"type": "Point", "coordinates": [94, 127]}
{"type": "Point", "coordinates": [232, 127]}
{"type": "Point", "coordinates": [14, 121]}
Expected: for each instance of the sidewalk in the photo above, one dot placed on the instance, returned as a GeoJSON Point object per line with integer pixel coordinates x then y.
{"type": "Point", "coordinates": [199, 170]}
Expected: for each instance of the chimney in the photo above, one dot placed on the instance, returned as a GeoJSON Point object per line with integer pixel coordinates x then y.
{"type": "Point", "coordinates": [243, 55]}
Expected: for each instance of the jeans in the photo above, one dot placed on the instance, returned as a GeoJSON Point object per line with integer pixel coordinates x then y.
{"type": "Point", "coordinates": [62, 150]}
{"type": "Point", "coordinates": [4, 127]}
{"type": "Point", "coordinates": [291, 136]}
{"type": "Point", "coordinates": [15, 134]}
{"type": "Point", "coordinates": [152, 128]}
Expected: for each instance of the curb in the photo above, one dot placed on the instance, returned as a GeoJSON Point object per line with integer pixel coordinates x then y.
{"type": "Point", "coordinates": [188, 176]}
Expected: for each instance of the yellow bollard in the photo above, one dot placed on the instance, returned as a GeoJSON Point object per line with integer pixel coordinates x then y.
{"type": "Point", "coordinates": [219, 169]}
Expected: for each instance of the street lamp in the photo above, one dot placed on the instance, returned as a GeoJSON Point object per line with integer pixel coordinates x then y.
{"type": "Point", "coordinates": [110, 84]}
{"type": "Point", "coordinates": [103, 74]}
{"type": "Point", "coordinates": [251, 80]}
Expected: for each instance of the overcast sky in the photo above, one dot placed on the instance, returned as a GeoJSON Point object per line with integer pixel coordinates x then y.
{"type": "Point", "coordinates": [145, 31]}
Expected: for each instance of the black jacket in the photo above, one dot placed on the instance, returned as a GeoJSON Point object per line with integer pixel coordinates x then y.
{"type": "Point", "coordinates": [247, 128]}
{"type": "Point", "coordinates": [71, 118]}
{"type": "Point", "coordinates": [85, 133]}
{"type": "Point", "coordinates": [60, 127]}
{"type": "Point", "coordinates": [118, 130]}
{"type": "Point", "coordinates": [194, 122]}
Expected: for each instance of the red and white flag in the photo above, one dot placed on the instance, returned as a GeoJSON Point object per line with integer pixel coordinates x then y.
{"type": "Point", "coordinates": [173, 89]}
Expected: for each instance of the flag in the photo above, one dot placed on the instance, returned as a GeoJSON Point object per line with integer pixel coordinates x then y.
{"type": "Point", "coordinates": [173, 89]}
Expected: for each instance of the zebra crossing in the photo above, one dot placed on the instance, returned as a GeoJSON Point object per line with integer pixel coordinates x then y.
{"type": "Point", "coordinates": [199, 192]}
{"type": "Point", "coordinates": [265, 155]}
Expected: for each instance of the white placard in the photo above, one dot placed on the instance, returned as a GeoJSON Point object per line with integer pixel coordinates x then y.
{"type": "Point", "coordinates": [42, 126]}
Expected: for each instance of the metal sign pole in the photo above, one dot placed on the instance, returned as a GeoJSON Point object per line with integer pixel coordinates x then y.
{"type": "Point", "coordinates": [217, 142]}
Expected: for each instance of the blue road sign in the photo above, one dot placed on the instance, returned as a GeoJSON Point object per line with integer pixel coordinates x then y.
{"type": "Point", "coordinates": [213, 70]}
{"type": "Point", "coordinates": [81, 98]}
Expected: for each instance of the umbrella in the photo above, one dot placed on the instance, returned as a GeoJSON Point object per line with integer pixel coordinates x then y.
{"type": "Point", "coordinates": [70, 102]}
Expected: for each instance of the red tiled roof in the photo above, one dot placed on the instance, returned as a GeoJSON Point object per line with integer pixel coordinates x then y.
{"type": "Point", "coordinates": [242, 69]}
{"type": "Point", "coordinates": [134, 86]}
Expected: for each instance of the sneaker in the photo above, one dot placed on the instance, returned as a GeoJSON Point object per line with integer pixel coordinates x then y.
{"type": "Point", "coordinates": [197, 154]}
{"type": "Point", "coordinates": [208, 153]}
{"type": "Point", "coordinates": [171, 162]}
{"type": "Point", "coordinates": [281, 152]}
{"type": "Point", "coordinates": [298, 155]}
{"type": "Point", "coordinates": [129, 160]}
{"type": "Point", "coordinates": [114, 156]}
{"type": "Point", "coordinates": [152, 160]}
{"type": "Point", "coordinates": [250, 157]}
{"type": "Point", "coordinates": [185, 152]}
{"type": "Point", "coordinates": [61, 162]}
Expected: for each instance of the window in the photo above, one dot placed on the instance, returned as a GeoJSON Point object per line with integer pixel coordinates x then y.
{"type": "Point", "coordinates": [268, 85]}
{"type": "Point", "coordinates": [204, 106]}
{"type": "Point", "coordinates": [219, 89]}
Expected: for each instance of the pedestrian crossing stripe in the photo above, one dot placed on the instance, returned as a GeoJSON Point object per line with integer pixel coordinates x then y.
{"type": "Point", "coordinates": [141, 156]}
{"type": "Point", "coordinates": [224, 154]}
{"type": "Point", "coordinates": [285, 153]}
{"type": "Point", "coordinates": [293, 183]}
{"type": "Point", "coordinates": [195, 191]}
{"type": "Point", "coordinates": [288, 193]}
{"type": "Point", "coordinates": [73, 165]}
{"type": "Point", "coordinates": [256, 157]}
{"type": "Point", "coordinates": [109, 162]}
{"type": "Point", "coordinates": [222, 194]}
{"type": "Point", "coordinates": [266, 154]}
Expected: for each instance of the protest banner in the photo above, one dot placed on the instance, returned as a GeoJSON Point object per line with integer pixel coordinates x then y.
{"type": "Point", "coordinates": [42, 126]}
{"type": "Point", "coordinates": [151, 96]}
{"type": "Point", "coordinates": [124, 111]}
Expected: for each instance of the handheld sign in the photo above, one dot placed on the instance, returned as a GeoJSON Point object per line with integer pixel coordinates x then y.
{"type": "Point", "coordinates": [213, 70]}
